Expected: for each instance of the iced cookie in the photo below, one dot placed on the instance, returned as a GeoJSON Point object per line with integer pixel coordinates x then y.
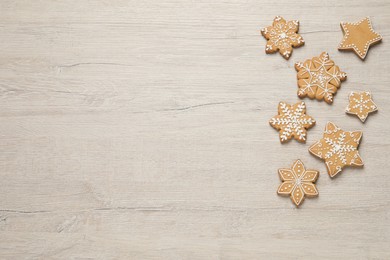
{"type": "Point", "coordinates": [319, 78]}
{"type": "Point", "coordinates": [361, 104]}
{"type": "Point", "coordinates": [298, 182]}
{"type": "Point", "coordinates": [359, 37]}
{"type": "Point", "coordinates": [292, 121]}
{"type": "Point", "coordinates": [282, 36]}
{"type": "Point", "coordinates": [338, 149]}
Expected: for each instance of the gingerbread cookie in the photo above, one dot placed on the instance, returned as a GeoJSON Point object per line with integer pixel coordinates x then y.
{"type": "Point", "coordinates": [282, 36]}
{"type": "Point", "coordinates": [361, 104]}
{"type": "Point", "coordinates": [319, 78]}
{"type": "Point", "coordinates": [292, 121]}
{"type": "Point", "coordinates": [298, 182]}
{"type": "Point", "coordinates": [359, 37]}
{"type": "Point", "coordinates": [338, 149]}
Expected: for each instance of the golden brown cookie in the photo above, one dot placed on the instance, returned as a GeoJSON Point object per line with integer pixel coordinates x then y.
{"type": "Point", "coordinates": [298, 182]}
{"type": "Point", "coordinates": [292, 121]}
{"type": "Point", "coordinates": [361, 104]}
{"type": "Point", "coordinates": [319, 78]}
{"type": "Point", "coordinates": [338, 148]}
{"type": "Point", "coordinates": [359, 37]}
{"type": "Point", "coordinates": [282, 36]}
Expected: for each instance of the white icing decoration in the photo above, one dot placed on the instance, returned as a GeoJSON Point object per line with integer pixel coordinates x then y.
{"type": "Point", "coordinates": [339, 148]}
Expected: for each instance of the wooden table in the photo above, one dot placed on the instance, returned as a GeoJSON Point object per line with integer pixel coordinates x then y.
{"type": "Point", "coordinates": [139, 130]}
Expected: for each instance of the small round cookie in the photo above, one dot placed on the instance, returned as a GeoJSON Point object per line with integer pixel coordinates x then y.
{"type": "Point", "coordinates": [282, 36]}
{"type": "Point", "coordinates": [298, 182]}
{"type": "Point", "coordinates": [319, 78]}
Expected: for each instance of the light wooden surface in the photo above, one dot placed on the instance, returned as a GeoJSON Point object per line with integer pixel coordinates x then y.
{"type": "Point", "coordinates": [139, 130]}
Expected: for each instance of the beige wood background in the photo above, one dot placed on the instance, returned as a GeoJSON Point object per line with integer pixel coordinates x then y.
{"type": "Point", "coordinates": [139, 130]}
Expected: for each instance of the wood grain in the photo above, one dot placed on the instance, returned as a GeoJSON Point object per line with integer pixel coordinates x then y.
{"type": "Point", "coordinates": [139, 130]}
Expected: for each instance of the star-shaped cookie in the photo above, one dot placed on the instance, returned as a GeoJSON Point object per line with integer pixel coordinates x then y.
{"type": "Point", "coordinates": [319, 78]}
{"type": "Point", "coordinates": [298, 182]}
{"type": "Point", "coordinates": [338, 149]}
{"type": "Point", "coordinates": [282, 36]}
{"type": "Point", "coordinates": [292, 121]}
{"type": "Point", "coordinates": [359, 37]}
{"type": "Point", "coordinates": [361, 104]}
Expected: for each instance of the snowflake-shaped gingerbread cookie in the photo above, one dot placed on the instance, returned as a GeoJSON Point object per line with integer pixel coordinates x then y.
{"type": "Point", "coordinates": [292, 121]}
{"type": "Point", "coordinates": [361, 104]}
{"type": "Point", "coordinates": [298, 182]}
{"type": "Point", "coordinates": [282, 36]}
{"type": "Point", "coordinates": [338, 149]}
{"type": "Point", "coordinates": [319, 78]}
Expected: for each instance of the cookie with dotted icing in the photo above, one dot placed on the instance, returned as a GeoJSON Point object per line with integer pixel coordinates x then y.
{"type": "Point", "coordinates": [338, 148]}
{"type": "Point", "coordinates": [292, 121]}
{"type": "Point", "coordinates": [282, 36]}
{"type": "Point", "coordinates": [361, 104]}
{"type": "Point", "coordinates": [319, 78]}
{"type": "Point", "coordinates": [298, 182]}
{"type": "Point", "coordinates": [359, 37]}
